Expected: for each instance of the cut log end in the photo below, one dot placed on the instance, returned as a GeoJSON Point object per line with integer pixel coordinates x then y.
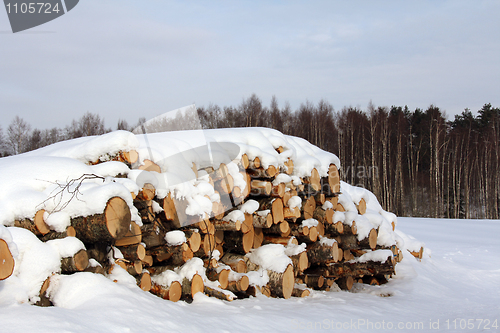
{"type": "Point", "coordinates": [334, 178]}
{"type": "Point", "coordinates": [372, 239]}
{"type": "Point", "coordinates": [144, 281]}
{"type": "Point", "coordinates": [197, 285]}
{"type": "Point", "coordinates": [130, 156]}
{"type": "Point", "coordinates": [247, 240]}
{"type": "Point", "coordinates": [150, 166]}
{"type": "Point", "coordinates": [172, 293]}
{"type": "Point", "coordinates": [224, 278]}
{"type": "Point", "coordinates": [81, 259]}
{"type": "Point", "coordinates": [258, 237]}
{"type": "Point", "coordinates": [361, 207]}
{"type": "Point", "coordinates": [118, 217]}
{"type": "Point", "coordinates": [288, 282]}
{"type": "Point", "coordinates": [40, 224]}
{"type": "Point", "coordinates": [148, 192]}
{"type": "Point", "coordinates": [303, 262]}
{"type": "Point", "coordinates": [345, 283]}
{"type": "Point", "coordinates": [194, 241]}
{"type": "Point", "coordinates": [6, 261]}
{"type": "Point", "coordinates": [175, 291]}
{"type": "Point", "coordinates": [298, 292]}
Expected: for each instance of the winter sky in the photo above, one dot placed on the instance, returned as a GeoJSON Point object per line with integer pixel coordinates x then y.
{"type": "Point", "coordinates": [130, 59]}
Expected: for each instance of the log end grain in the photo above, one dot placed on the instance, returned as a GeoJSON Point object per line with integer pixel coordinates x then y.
{"type": "Point", "coordinates": [40, 224]}
{"type": "Point", "coordinates": [224, 278]}
{"type": "Point", "coordinates": [175, 291]}
{"type": "Point", "coordinates": [150, 166]}
{"type": "Point", "coordinates": [118, 217]}
{"type": "Point", "coordinates": [81, 260]}
{"type": "Point", "coordinates": [372, 238]}
{"type": "Point", "coordinates": [6, 261]}
{"type": "Point", "coordinates": [144, 281]}
{"type": "Point", "coordinates": [288, 282]}
{"type": "Point", "coordinates": [361, 207]}
{"type": "Point", "coordinates": [197, 285]}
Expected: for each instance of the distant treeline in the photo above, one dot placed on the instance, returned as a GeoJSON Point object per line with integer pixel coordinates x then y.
{"type": "Point", "coordinates": [417, 162]}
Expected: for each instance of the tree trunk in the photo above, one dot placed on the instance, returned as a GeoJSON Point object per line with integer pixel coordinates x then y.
{"type": "Point", "coordinates": [132, 237]}
{"type": "Point", "coordinates": [133, 252]}
{"type": "Point", "coordinates": [193, 286]}
{"type": "Point", "coordinates": [282, 284]}
{"type": "Point", "coordinates": [321, 254]}
{"type": "Point", "coordinates": [261, 220]}
{"type": "Point", "coordinates": [351, 241]}
{"type": "Point", "coordinates": [36, 226]}
{"type": "Point", "coordinates": [69, 232]}
{"type": "Point", "coordinates": [153, 234]}
{"type": "Point", "coordinates": [361, 269]}
{"type": "Point", "coordinates": [111, 225]}
{"type": "Point", "coordinates": [275, 206]}
{"type": "Point", "coordinates": [77, 263]}
{"type": "Point", "coordinates": [174, 255]}
{"type": "Point", "coordinates": [235, 261]}
{"type": "Point", "coordinates": [219, 293]}
{"type": "Point", "coordinates": [172, 293]}
{"type": "Point", "coordinates": [238, 242]}
{"type": "Point", "coordinates": [220, 275]}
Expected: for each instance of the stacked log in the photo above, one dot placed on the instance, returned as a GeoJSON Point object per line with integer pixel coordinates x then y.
{"type": "Point", "coordinates": [6, 260]}
{"type": "Point", "coordinates": [298, 218]}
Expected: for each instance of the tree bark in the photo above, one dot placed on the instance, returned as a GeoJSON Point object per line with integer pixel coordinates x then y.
{"type": "Point", "coordinates": [172, 293]}
{"type": "Point", "coordinates": [321, 254]}
{"type": "Point", "coordinates": [351, 241]}
{"type": "Point", "coordinates": [36, 226]}
{"type": "Point", "coordinates": [282, 284]}
{"type": "Point", "coordinates": [111, 225]}
{"type": "Point", "coordinates": [69, 232]}
{"type": "Point", "coordinates": [174, 255]}
{"type": "Point", "coordinates": [132, 237]}
{"type": "Point", "coordinates": [77, 263]}
{"type": "Point", "coordinates": [193, 286]}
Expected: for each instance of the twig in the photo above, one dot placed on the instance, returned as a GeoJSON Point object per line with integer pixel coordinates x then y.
{"type": "Point", "coordinates": [73, 192]}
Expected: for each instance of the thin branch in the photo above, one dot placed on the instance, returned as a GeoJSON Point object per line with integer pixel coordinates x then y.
{"type": "Point", "coordinates": [67, 187]}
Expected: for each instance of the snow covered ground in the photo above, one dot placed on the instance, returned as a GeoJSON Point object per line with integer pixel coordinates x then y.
{"type": "Point", "coordinates": [455, 289]}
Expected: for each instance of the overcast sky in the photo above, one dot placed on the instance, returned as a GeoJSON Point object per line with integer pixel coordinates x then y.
{"type": "Point", "coordinates": [130, 59]}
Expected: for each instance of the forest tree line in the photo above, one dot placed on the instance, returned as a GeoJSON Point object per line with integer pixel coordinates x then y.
{"type": "Point", "coordinates": [417, 162]}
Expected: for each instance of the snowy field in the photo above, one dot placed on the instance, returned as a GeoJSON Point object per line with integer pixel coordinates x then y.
{"type": "Point", "coordinates": [456, 289]}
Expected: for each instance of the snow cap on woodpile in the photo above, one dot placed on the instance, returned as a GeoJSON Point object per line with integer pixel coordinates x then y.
{"type": "Point", "coordinates": [37, 261]}
{"type": "Point", "coordinates": [31, 183]}
{"type": "Point", "coordinates": [91, 148]}
{"type": "Point", "coordinates": [186, 147]}
{"type": "Point", "coordinates": [271, 257]}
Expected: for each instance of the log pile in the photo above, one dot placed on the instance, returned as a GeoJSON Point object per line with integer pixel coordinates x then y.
{"type": "Point", "coordinates": [175, 255]}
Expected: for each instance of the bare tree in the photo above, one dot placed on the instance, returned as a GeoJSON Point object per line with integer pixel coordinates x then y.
{"type": "Point", "coordinates": [251, 110]}
{"type": "Point", "coordinates": [18, 134]}
{"type": "Point", "coordinates": [123, 125]}
{"type": "Point", "coordinates": [35, 140]}
{"type": "Point", "coordinates": [89, 124]}
{"type": "Point", "coordinates": [3, 144]}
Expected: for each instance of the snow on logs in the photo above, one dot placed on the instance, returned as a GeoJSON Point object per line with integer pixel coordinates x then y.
{"type": "Point", "coordinates": [280, 228]}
